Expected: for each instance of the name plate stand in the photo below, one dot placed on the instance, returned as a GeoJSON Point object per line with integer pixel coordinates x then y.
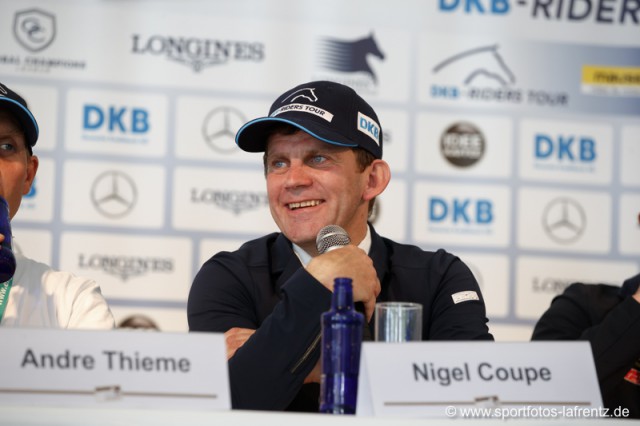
{"type": "Point", "coordinates": [423, 379]}
{"type": "Point", "coordinates": [119, 368]}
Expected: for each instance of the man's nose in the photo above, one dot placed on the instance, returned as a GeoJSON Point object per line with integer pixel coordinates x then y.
{"type": "Point", "coordinates": [297, 176]}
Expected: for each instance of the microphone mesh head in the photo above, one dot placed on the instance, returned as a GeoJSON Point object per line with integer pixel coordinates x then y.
{"type": "Point", "coordinates": [331, 236]}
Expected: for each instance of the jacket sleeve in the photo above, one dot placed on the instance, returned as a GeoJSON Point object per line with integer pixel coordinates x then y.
{"type": "Point", "coordinates": [613, 332]}
{"type": "Point", "coordinates": [81, 304]}
{"type": "Point", "coordinates": [458, 311]}
{"type": "Point", "coordinates": [267, 372]}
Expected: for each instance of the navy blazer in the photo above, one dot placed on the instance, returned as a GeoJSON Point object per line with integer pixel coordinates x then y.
{"type": "Point", "coordinates": [263, 286]}
{"type": "Point", "coordinates": [609, 318]}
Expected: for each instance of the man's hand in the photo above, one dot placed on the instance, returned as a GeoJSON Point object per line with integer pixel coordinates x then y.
{"type": "Point", "coordinates": [350, 262]}
{"type": "Point", "coordinates": [314, 375]}
{"type": "Point", "coordinates": [235, 338]}
{"type": "Point", "coordinates": [636, 295]}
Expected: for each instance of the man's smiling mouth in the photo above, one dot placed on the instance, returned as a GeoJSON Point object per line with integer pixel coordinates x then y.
{"type": "Point", "coordinates": [310, 203]}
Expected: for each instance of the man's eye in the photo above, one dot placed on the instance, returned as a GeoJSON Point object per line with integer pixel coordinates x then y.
{"type": "Point", "coordinates": [276, 165]}
{"type": "Point", "coordinates": [318, 159]}
{"type": "Point", "coordinates": [7, 147]}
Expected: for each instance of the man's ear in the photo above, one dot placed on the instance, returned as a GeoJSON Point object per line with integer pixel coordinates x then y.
{"type": "Point", "coordinates": [379, 177]}
{"type": "Point", "coordinates": [32, 169]}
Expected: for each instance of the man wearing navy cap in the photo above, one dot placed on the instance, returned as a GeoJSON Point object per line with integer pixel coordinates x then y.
{"type": "Point", "coordinates": [36, 295]}
{"type": "Point", "coordinates": [323, 164]}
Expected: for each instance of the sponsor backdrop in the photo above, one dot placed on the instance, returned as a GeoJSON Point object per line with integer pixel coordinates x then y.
{"type": "Point", "coordinates": [512, 129]}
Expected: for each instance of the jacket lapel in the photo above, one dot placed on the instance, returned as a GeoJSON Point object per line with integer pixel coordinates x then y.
{"type": "Point", "coordinates": [285, 262]}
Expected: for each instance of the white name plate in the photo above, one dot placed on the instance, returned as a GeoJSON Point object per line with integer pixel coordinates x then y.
{"type": "Point", "coordinates": [119, 368]}
{"type": "Point", "coordinates": [427, 379]}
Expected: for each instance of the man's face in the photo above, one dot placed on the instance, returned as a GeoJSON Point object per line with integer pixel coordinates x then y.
{"type": "Point", "coordinates": [17, 167]}
{"type": "Point", "coordinates": [312, 184]}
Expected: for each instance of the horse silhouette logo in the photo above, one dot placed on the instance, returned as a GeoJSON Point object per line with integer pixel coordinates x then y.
{"type": "Point", "coordinates": [306, 93]}
{"type": "Point", "coordinates": [480, 62]}
{"type": "Point", "coordinates": [349, 56]}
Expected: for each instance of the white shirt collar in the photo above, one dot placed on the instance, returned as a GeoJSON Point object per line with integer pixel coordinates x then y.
{"type": "Point", "coordinates": [305, 257]}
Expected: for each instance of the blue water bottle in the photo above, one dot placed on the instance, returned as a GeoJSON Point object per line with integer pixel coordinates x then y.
{"type": "Point", "coordinates": [7, 259]}
{"type": "Point", "coordinates": [341, 341]}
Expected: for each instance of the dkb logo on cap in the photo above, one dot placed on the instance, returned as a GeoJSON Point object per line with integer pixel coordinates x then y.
{"type": "Point", "coordinates": [369, 127]}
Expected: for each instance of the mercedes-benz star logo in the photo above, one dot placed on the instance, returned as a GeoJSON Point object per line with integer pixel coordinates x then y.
{"type": "Point", "coordinates": [220, 126]}
{"type": "Point", "coordinates": [114, 194]}
{"type": "Point", "coordinates": [564, 220]}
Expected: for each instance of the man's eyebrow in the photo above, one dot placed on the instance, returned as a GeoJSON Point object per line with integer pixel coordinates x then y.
{"type": "Point", "coordinates": [11, 131]}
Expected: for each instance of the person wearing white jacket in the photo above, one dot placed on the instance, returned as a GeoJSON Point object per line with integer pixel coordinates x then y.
{"type": "Point", "coordinates": [37, 295]}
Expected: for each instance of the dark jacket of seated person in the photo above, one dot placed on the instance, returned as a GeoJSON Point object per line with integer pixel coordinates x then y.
{"type": "Point", "coordinates": [609, 318]}
{"type": "Point", "coordinates": [323, 165]}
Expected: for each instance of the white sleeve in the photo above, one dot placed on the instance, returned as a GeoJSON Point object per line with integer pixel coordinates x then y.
{"type": "Point", "coordinates": [79, 302]}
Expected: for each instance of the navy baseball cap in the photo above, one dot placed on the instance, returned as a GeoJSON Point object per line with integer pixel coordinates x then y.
{"type": "Point", "coordinates": [328, 111]}
{"type": "Point", "coordinates": [13, 102]}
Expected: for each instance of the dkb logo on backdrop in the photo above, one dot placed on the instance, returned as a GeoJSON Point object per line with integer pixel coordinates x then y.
{"type": "Point", "coordinates": [110, 123]}
{"type": "Point", "coordinates": [461, 215]}
{"type": "Point", "coordinates": [565, 148]}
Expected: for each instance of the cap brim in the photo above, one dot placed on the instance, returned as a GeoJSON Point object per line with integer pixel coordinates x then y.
{"type": "Point", "coordinates": [252, 137]}
{"type": "Point", "coordinates": [27, 120]}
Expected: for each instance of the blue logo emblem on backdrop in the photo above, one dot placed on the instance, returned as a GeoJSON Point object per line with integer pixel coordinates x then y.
{"type": "Point", "coordinates": [115, 123]}
{"type": "Point", "coordinates": [571, 153]}
{"type": "Point", "coordinates": [461, 215]}
{"type": "Point", "coordinates": [461, 211]}
{"type": "Point", "coordinates": [349, 56]}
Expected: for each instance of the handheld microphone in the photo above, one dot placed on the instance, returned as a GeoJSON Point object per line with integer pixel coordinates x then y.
{"type": "Point", "coordinates": [331, 237]}
{"type": "Point", "coordinates": [7, 259]}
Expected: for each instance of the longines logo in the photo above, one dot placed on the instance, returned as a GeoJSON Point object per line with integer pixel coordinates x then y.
{"type": "Point", "coordinates": [350, 57]}
{"type": "Point", "coordinates": [564, 220]}
{"type": "Point", "coordinates": [550, 284]}
{"type": "Point", "coordinates": [235, 201]}
{"type": "Point", "coordinates": [114, 194]}
{"type": "Point", "coordinates": [35, 30]}
{"type": "Point", "coordinates": [198, 53]}
{"type": "Point", "coordinates": [125, 267]}
{"type": "Point", "coordinates": [487, 77]}
{"type": "Point", "coordinates": [220, 126]}
{"type": "Point", "coordinates": [462, 144]}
